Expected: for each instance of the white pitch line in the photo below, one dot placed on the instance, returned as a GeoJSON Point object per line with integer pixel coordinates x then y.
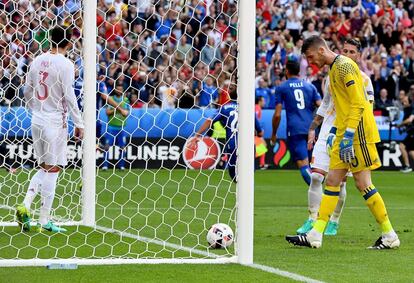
{"type": "Point", "coordinates": [158, 242]}
{"type": "Point", "coordinates": [273, 270]}
{"type": "Point", "coordinates": [283, 273]}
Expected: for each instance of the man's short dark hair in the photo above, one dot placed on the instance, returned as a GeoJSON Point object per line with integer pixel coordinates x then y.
{"type": "Point", "coordinates": [355, 42]}
{"type": "Point", "coordinates": [233, 92]}
{"type": "Point", "coordinates": [293, 67]}
{"type": "Point", "coordinates": [60, 36]}
{"type": "Point", "coordinates": [311, 42]}
{"type": "Point", "coordinates": [258, 98]}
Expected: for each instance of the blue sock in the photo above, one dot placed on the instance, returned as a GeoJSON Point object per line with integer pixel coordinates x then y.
{"type": "Point", "coordinates": [306, 173]}
{"type": "Point", "coordinates": [122, 159]}
{"type": "Point", "coordinates": [105, 162]}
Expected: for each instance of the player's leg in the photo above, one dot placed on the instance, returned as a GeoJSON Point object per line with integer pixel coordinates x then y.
{"type": "Point", "coordinates": [328, 203]}
{"type": "Point", "coordinates": [54, 158]}
{"type": "Point", "coordinates": [231, 164]}
{"type": "Point", "coordinates": [337, 171]}
{"type": "Point", "coordinates": [262, 161]}
{"type": "Point", "coordinates": [305, 170]}
{"type": "Point", "coordinates": [23, 210]}
{"type": "Point", "coordinates": [47, 196]}
{"type": "Point", "coordinates": [411, 154]}
{"type": "Point", "coordinates": [320, 167]}
{"type": "Point", "coordinates": [404, 154]}
{"type": "Point", "coordinates": [298, 146]}
{"type": "Point", "coordinates": [376, 205]}
{"type": "Point", "coordinates": [333, 224]}
{"type": "Point", "coordinates": [109, 141]}
{"type": "Point", "coordinates": [410, 149]}
{"type": "Point", "coordinates": [366, 159]}
{"type": "Point", "coordinates": [314, 199]}
{"type": "Point", "coordinates": [121, 141]}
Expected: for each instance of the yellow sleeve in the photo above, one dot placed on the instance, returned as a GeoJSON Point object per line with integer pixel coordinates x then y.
{"type": "Point", "coordinates": [351, 78]}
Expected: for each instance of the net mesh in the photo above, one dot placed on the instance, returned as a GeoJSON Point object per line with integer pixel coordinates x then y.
{"type": "Point", "coordinates": [167, 66]}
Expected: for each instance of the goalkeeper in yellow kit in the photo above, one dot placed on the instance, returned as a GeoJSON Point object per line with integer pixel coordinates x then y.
{"type": "Point", "coordinates": [351, 142]}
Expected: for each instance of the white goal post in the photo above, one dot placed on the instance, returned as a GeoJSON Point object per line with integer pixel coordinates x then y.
{"type": "Point", "coordinates": [119, 248]}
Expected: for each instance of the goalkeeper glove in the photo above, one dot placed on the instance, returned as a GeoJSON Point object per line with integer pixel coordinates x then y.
{"type": "Point", "coordinates": [330, 140]}
{"type": "Point", "coordinates": [346, 147]}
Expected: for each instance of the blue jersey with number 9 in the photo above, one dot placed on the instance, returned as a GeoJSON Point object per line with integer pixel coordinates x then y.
{"type": "Point", "coordinates": [299, 98]}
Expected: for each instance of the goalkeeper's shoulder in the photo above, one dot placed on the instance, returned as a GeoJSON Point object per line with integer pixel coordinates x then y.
{"type": "Point", "coordinates": [345, 65]}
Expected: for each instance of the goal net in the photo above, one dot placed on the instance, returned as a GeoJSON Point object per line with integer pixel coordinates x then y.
{"type": "Point", "coordinates": [142, 186]}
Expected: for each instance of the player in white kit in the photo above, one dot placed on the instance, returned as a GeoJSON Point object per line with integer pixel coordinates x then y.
{"type": "Point", "coordinates": [320, 155]}
{"type": "Point", "coordinates": [50, 97]}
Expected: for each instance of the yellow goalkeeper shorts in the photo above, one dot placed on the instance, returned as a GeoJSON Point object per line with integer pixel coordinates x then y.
{"type": "Point", "coordinates": [366, 158]}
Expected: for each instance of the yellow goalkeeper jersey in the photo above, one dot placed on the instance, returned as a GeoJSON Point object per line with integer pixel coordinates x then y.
{"type": "Point", "coordinates": [351, 101]}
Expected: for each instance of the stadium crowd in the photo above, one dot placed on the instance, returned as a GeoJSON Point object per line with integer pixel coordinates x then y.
{"type": "Point", "coordinates": [168, 54]}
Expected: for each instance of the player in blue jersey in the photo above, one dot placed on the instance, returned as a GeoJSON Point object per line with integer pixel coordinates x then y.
{"type": "Point", "coordinates": [228, 116]}
{"type": "Point", "coordinates": [299, 99]}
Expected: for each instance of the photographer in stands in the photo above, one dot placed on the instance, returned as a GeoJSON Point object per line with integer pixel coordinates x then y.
{"type": "Point", "coordinates": [407, 126]}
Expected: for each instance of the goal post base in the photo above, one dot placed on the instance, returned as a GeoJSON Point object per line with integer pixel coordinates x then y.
{"type": "Point", "coordinates": [66, 223]}
{"type": "Point", "coordinates": [115, 261]}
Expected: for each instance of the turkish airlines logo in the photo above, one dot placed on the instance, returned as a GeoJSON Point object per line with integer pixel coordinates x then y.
{"type": "Point", "coordinates": [201, 153]}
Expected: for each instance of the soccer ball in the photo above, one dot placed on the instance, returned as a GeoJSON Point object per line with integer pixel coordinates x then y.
{"type": "Point", "coordinates": [220, 236]}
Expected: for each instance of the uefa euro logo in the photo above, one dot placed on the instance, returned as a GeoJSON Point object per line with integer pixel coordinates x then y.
{"type": "Point", "coordinates": [201, 153]}
{"type": "Point", "coordinates": [282, 154]}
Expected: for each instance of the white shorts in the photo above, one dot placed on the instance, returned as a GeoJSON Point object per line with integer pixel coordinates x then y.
{"type": "Point", "coordinates": [50, 144]}
{"type": "Point", "coordinates": [320, 158]}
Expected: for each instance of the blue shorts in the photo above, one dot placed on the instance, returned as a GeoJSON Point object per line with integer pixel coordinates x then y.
{"type": "Point", "coordinates": [298, 147]}
{"type": "Point", "coordinates": [116, 136]}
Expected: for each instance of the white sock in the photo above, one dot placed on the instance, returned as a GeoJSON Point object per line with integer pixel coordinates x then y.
{"type": "Point", "coordinates": [340, 205]}
{"type": "Point", "coordinates": [34, 186]}
{"type": "Point", "coordinates": [315, 194]}
{"type": "Point", "coordinates": [390, 235]}
{"type": "Point", "coordinates": [47, 194]}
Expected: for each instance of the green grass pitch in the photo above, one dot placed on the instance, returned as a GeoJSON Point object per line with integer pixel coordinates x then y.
{"type": "Point", "coordinates": [280, 207]}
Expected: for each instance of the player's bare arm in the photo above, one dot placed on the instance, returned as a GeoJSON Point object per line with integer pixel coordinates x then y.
{"type": "Point", "coordinates": [110, 101]}
{"type": "Point", "coordinates": [204, 127]}
{"type": "Point", "coordinates": [276, 122]}
{"type": "Point", "coordinates": [407, 121]}
{"type": "Point", "coordinates": [317, 121]}
{"type": "Point", "coordinates": [78, 134]}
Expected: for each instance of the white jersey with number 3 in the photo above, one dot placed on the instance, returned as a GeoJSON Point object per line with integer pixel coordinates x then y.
{"type": "Point", "coordinates": [49, 91]}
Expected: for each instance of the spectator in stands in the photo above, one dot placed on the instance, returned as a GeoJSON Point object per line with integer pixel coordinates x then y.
{"type": "Point", "coordinates": [264, 91]}
{"type": "Point", "coordinates": [396, 82]}
{"type": "Point", "coordinates": [134, 100]}
{"type": "Point", "coordinates": [139, 82]}
{"type": "Point", "coordinates": [407, 125]}
{"type": "Point", "coordinates": [10, 83]}
{"type": "Point", "coordinates": [294, 16]}
{"type": "Point", "coordinates": [224, 93]}
{"type": "Point", "coordinates": [209, 93]}
{"type": "Point", "coordinates": [168, 95]}
{"type": "Point", "coordinates": [210, 53]}
{"type": "Point", "coordinates": [184, 51]}
{"type": "Point", "coordinates": [310, 31]}
{"type": "Point", "coordinates": [383, 102]}
{"type": "Point", "coordinates": [115, 134]}
{"type": "Point", "coordinates": [411, 93]}
{"type": "Point", "coordinates": [152, 103]}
